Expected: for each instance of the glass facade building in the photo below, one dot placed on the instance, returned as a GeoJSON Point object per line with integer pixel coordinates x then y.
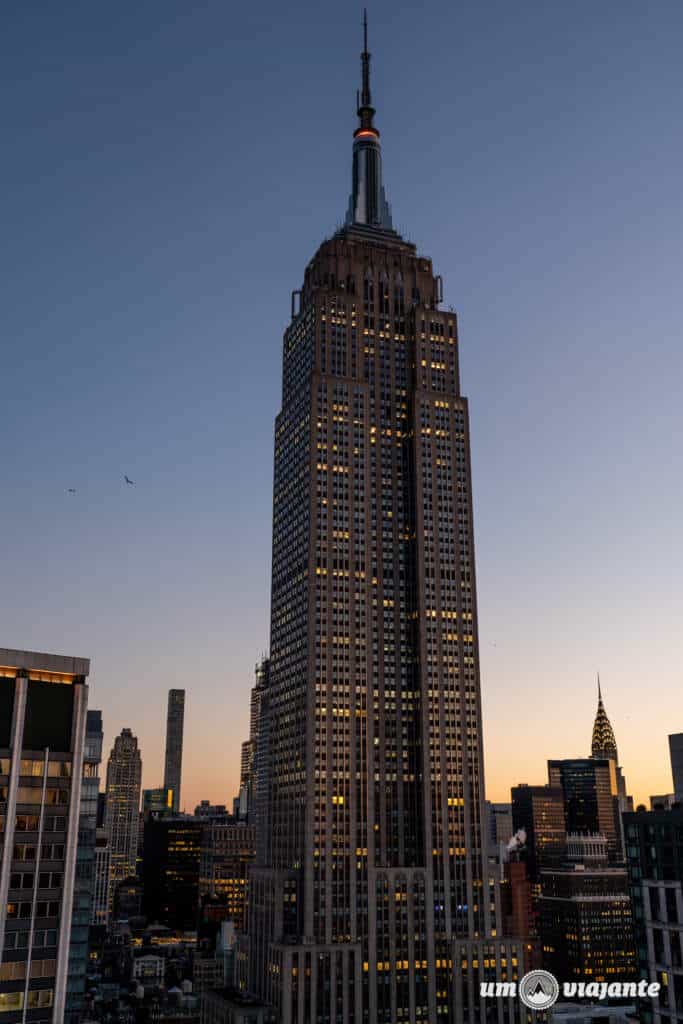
{"type": "Point", "coordinates": [591, 798]}
{"type": "Point", "coordinates": [170, 872]}
{"type": "Point", "coordinates": [539, 810]}
{"type": "Point", "coordinates": [84, 883]}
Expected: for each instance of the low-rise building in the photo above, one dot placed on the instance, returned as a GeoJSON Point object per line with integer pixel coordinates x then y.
{"type": "Point", "coordinates": [149, 970]}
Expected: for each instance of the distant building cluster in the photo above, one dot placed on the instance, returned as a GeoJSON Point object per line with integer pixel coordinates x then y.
{"type": "Point", "coordinates": [592, 885]}
{"type": "Point", "coordinates": [124, 906]}
{"type": "Point", "coordinates": [115, 905]}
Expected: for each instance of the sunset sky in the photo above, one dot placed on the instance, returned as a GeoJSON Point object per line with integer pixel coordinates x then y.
{"type": "Point", "coordinates": [169, 169]}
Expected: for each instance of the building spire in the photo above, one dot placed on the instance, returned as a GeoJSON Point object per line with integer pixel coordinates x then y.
{"type": "Point", "coordinates": [364, 107]}
{"type": "Point", "coordinates": [368, 204]}
{"type": "Point", "coordinates": [603, 743]}
{"type": "Point", "coordinates": [365, 98]}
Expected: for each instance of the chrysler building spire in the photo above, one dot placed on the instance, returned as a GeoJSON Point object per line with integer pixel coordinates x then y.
{"type": "Point", "coordinates": [368, 204]}
{"type": "Point", "coordinates": [603, 743]}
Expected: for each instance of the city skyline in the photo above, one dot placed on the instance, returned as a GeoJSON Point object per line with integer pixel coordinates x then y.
{"type": "Point", "coordinates": [568, 542]}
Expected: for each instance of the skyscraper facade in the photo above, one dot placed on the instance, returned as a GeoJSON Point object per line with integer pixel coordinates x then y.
{"type": "Point", "coordinates": [539, 811]}
{"type": "Point", "coordinates": [84, 885]}
{"type": "Point", "coordinates": [371, 901]}
{"type": "Point", "coordinates": [249, 763]}
{"type": "Point", "coordinates": [227, 852]}
{"type": "Point", "coordinates": [654, 848]}
{"type": "Point", "coordinates": [157, 803]}
{"type": "Point", "coordinates": [589, 786]}
{"type": "Point", "coordinates": [173, 764]}
{"type": "Point", "coordinates": [43, 706]}
{"type": "Point", "coordinates": [99, 911]}
{"type": "Point", "coordinates": [499, 818]}
{"type": "Point", "coordinates": [122, 820]}
{"type": "Point", "coordinates": [585, 915]}
{"type": "Point", "coordinates": [170, 871]}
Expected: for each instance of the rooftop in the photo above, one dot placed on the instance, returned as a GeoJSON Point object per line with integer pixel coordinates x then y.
{"type": "Point", "coordinates": [37, 664]}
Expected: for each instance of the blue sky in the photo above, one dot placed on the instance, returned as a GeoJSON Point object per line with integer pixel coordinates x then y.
{"type": "Point", "coordinates": [168, 170]}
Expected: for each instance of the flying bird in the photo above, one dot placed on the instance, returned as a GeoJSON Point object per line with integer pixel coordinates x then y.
{"type": "Point", "coordinates": [131, 483]}
{"type": "Point", "coordinates": [71, 490]}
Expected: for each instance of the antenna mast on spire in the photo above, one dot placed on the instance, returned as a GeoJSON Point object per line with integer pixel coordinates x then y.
{"type": "Point", "coordinates": [365, 99]}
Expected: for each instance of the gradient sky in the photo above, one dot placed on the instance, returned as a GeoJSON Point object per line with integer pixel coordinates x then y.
{"type": "Point", "coordinates": [169, 168]}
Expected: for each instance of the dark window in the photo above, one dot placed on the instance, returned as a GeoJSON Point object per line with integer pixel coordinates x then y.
{"type": "Point", "coordinates": [6, 709]}
{"type": "Point", "coordinates": [654, 904]}
{"type": "Point", "coordinates": [671, 908]}
{"type": "Point", "coordinates": [49, 710]}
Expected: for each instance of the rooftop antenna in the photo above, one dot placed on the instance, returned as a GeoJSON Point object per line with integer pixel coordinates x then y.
{"type": "Point", "coordinates": [365, 62]}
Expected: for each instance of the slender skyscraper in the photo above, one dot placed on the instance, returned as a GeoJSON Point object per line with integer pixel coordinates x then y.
{"type": "Point", "coordinates": [173, 766]}
{"type": "Point", "coordinates": [371, 900]}
{"type": "Point", "coordinates": [124, 775]}
{"type": "Point", "coordinates": [676, 754]}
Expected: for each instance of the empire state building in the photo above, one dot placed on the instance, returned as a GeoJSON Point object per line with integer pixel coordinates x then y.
{"type": "Point", "coordinates": [371, 901]}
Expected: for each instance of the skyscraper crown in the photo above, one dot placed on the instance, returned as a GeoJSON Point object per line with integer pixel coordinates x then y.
{"type": "Point", "coordinates": [368, 205]}
{"type": "Point", "coordinates": [603, 743]}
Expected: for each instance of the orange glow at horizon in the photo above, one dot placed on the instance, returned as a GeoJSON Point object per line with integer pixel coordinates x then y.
{"type": "Point", "coordinates": [516, 747]}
